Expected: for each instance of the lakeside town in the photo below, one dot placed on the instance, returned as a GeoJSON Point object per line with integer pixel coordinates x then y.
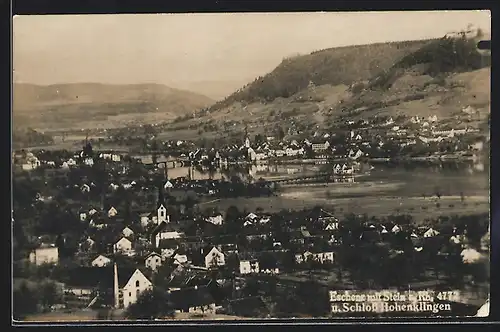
{"type": "Point", "coordinates": [347, 182]}
{"type": "Point", "coordinates": [102, 228]}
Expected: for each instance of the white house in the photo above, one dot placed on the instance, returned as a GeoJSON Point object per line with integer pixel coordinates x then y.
{"type": "Point", "coordinates": [123, 245]}
{"type": "Point", "coordinates": [332, 226]}
{"type": "Point", "coordinates": [180, 258]}
{"type": "Point", "coordinates": [127, 232]}
{"type": "Point", "coordinates": [168, 185]}
{"type": "Point", "coordinates": [134, 287]}
{"type": "Point", "coordinates": [83, 216]}
{"type": "Point", "coordinates": [85, 188]}
{"type": "Point", "coordinates": [247, 266]}
{"type": "Point", "coordinates": [88, 161]}
{"type": "Point", "coordinates": [46, 254]}
{"type": "Point", "coordinates": [260, 156]}
{"type": "Point", "coordinates": [321, 257]}
{"type": "Point", "coordinates": [31, 163]}
{"type": "Point", "coordinates": [316, 147]}
{"type": "Point", "coordinates": [92, 212]}
{"type": "Point", "coordinates": [396, 229]}
{"type": "Point", "coordinates": [101, 261]}
{"type": "Point", "coordinates": [216, 220]}
{"type": "Point", "coordinates": [251, 216]}
{"type": "Point", "coordinates": [71, 162]}
{"type": "Point", "coordinates": [214, 258]}
{"type": "Point", "coordinates": [153, 261]}
{"type": "Point", "coordinates": [166, 235]}
{"type": "Point", "coordinates": [112, 212]}
{"type": "Point", "coordinates": [430, 233]}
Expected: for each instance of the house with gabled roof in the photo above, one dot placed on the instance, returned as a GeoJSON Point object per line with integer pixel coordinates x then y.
{"type": "Point", "coordinates": [101, 261]}
{"type": "Point", "coordinates": [85, 188]}
{"type": "Point", "coordinates": [123, 245]}
{"type": "Point", "coordinates": [153, 261]}
{"type": "Point", "coordinates": [112, 212]}
{"type": "Point", "coordinates": [215, 220]}
{"type": "Point", "coordinates": [127, 232]}
{"type": "Point", "coordinates": [431, 232]}
{"type": "Point", "coordinates": [213, 257]}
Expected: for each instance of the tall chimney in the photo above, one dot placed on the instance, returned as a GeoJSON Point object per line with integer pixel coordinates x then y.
{"type": "Point", "coordinates": [116, 288]}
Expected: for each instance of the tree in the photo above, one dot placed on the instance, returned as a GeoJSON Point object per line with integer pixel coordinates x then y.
{"type": "Point", "coordinates": [259, 139]}
{"type": "Point", "coordinates": [151, 304]}
{"type": "Point", "coordinates": [49, 295]}
{"type": "Point", "coordinates": [24, 301]}
{"type": "Point", "coordinates": [280, 133]}
{"type": "Point", "coordinates": [232, 214]}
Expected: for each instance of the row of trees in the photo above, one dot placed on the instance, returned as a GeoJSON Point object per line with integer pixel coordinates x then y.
{"type": "Point", "coordinates": [30, 299]}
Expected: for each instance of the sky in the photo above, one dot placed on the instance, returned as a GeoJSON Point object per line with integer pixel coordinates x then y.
{"type": "Point", "coordinates": [213, 54]}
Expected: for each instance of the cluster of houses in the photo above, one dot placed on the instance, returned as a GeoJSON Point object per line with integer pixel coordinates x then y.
{"type": "Point", "coordinates": [356, 143]}
{"type": "Point", "coordinates": [131, 254]}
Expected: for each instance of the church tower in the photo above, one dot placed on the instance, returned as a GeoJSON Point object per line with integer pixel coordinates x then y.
{"type": "Point", "coordinates": [247, 139]}
{"type": "Point", "coordinates": [161, 209]}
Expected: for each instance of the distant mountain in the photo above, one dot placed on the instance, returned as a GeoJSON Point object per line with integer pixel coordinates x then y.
{"type": "Point", "coordinates": [91, 105]}
{"type": "Point", "coordinates": [215, 89]}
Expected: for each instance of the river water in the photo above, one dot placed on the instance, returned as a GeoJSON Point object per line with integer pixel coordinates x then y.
{"type": "Point", "coordinates": [471, 179]}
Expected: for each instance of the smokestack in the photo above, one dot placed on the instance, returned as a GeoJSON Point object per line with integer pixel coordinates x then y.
{"type": "Point", "coordinates": [116, 288]}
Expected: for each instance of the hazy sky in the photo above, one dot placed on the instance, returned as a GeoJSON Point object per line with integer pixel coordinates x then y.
{"type": "Point", "coordinates": [185, 50]}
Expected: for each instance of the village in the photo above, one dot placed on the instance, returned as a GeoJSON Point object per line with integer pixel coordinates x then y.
{"type": "Point", "coordinates": [380, 138]}
{"type": "Point", "coordinates": [106, 228]}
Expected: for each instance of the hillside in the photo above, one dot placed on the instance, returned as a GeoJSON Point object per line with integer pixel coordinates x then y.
{"type": "Point", "coordinates": [342, 65]}
{"type": "Point", "coordinates": [91, 105]}
{"type": "Point", "coordinates": [433, 77]}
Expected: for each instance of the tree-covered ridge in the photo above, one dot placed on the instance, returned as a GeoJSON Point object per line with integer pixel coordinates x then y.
{"type": "Point", "coordinates": [381, 64]}
{"type": "Point", "coordinates": [342, 65]}
{"type": "Point", "coordinates": [440, 57]}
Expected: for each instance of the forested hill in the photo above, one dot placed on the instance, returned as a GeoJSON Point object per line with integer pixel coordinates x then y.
{"type": "Point", "coordinates": [378, 63]}
{"type": "Point", "coordinates": [334, 66]}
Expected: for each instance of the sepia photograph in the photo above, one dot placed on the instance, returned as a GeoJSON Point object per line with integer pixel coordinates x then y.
{"type": "Point", "coordinates": [240, 166]}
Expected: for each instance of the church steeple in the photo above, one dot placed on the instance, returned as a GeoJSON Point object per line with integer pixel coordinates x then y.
{"type": "Point", "coordinates": [161, 197]}
{"type": "Point", "coordinates": [161, 207]}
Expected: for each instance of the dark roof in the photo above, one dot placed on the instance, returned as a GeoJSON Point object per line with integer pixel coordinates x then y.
{"type": "Point", "coordinates": [84, 276]}
{"type": "Point", "coordinates": [160, 227]}
{"type": "Point", "coordinates": [154, 253]}
{"type": "Point", "coordinates": [168, 244]}
{"type": "Point", "coordinates": [191, 297]}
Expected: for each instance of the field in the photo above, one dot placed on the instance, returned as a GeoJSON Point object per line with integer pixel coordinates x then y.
{"type": "Point", "coordinates": [377, 199]}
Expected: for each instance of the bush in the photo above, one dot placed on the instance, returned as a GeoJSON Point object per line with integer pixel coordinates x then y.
{"type": "Point", "coordinates": [150, 305]}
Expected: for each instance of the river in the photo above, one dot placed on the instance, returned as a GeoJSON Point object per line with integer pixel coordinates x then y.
{"type": "Point", "coordinates": [407, 188]}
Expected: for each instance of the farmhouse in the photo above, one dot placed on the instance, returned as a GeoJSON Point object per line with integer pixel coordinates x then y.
{"type": "Point", "coordinates": [214, 258]}
{"type": "Point", "coordinates": [249, 266]}
{"type": "Point", "coordinates": [123, 245]}
{"type": "Point", "coordinates": [101, 261]}
{"type": "Point", "coordinates": [46, 254]}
